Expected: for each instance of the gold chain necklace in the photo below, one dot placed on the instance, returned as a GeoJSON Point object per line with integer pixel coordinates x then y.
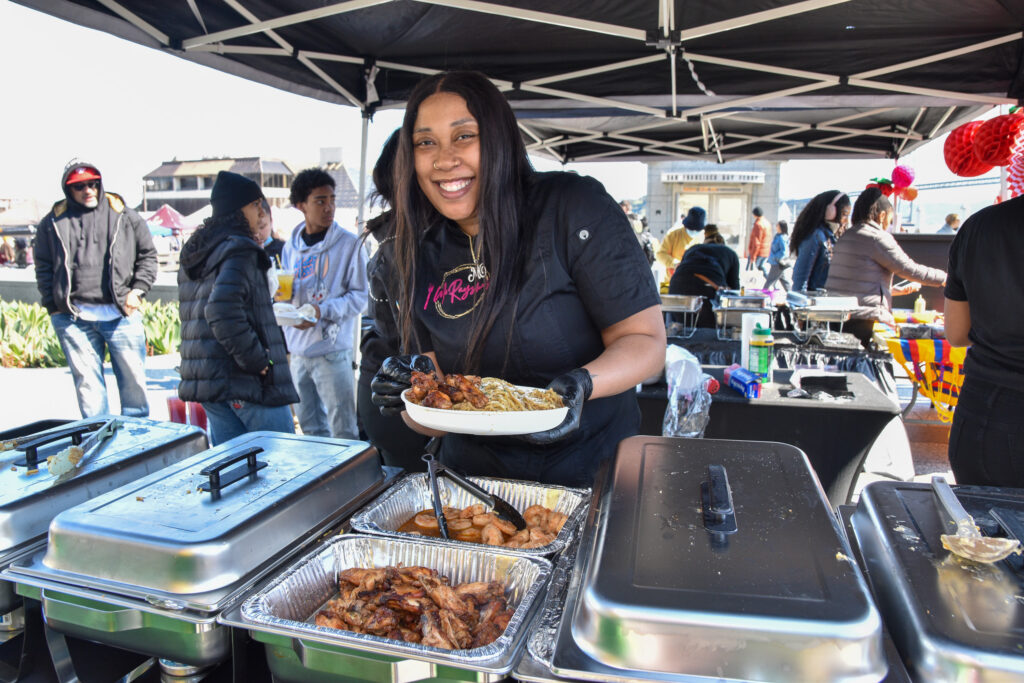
{"type": "Point", "coordinates": [479, 271]}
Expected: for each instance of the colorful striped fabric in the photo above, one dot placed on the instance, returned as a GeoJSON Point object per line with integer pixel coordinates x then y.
{"type": "Point", "coordinates": [935, 366]}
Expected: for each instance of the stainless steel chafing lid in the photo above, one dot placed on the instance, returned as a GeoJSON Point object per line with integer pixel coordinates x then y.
{"type": "Point", "coordinates": [31, 496]}
{"type": "Point", "coordinates": [167, 532]}
{"type": "Point", "coordinates": [676, 580]}
{"type": "Point", "coordinates": [952, 619]}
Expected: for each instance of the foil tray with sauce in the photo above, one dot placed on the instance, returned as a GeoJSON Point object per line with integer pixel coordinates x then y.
{"type": "Point", "coordinates": [287, 606]}
{"type": "Point", "coordinates": [411, 495]}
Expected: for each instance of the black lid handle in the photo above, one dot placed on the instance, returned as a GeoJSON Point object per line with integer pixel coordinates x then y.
{"type": "Point", "coordinates": [31, 445]}
{"type": "Point", "coordinates": [716, 501]}
{"type": "Point", "coordinates": [220, 479]}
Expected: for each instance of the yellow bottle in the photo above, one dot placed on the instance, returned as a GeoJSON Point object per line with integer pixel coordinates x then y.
{"type": "Point", "coordinates": [919, 304]}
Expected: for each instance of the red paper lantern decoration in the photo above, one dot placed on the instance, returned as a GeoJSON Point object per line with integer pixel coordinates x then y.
{"type": "Point", "coordinates": [1015, 175]}
{"type": "Point", "coordinates": [958, 151]}
{"type": "Point", "coordinates": [902, 176]}
{"type": "Point", "coordinates": [997, 139]}
{"type": "Point", "coordinates": [886, 189]}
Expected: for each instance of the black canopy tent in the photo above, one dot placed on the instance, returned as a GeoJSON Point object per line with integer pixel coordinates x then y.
{"type": "Point", "coordinates": [639, 80]}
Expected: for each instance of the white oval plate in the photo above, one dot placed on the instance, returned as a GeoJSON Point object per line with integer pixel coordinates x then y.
{"type": "Point", "coordinates": [485, 423]}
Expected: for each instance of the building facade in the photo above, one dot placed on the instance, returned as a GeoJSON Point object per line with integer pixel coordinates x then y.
{"type": "Point", "coordinates": [186, 185]}
{"type": "Point", "coordinates": [728, 192]}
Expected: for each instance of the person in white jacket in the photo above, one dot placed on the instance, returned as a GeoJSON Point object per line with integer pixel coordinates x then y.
{"type": "Point", "coordinates": [329, 267]}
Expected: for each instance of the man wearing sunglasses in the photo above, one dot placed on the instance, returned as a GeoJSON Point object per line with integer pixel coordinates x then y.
{"type": "Point", "coordinates": [94, 260]}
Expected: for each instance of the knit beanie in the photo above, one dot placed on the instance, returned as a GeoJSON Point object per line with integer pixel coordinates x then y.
{"type": "Point", "coordinates": [231, 192]}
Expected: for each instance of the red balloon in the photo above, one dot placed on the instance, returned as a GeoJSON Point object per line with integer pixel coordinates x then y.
{"type": "Point", "coordinates": [958, 151]}
{"type": "Point", "coordinates": [997, 139]}
{"type": "Point", "coordinates": [908, 193]}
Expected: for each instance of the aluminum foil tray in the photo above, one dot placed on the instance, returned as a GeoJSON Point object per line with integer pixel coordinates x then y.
{"type": "Point", "coordinates": [681, 303]}
{"type": "Point", "coordinates": [822, 315]}
{"type": "Point", "coordinates": [412, 494]}
{"type": "Point", "coordinates": [287, 605]}
{"type": "Point", "coordinates": [742, 301]}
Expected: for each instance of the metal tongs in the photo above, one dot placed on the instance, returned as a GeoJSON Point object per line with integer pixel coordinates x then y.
{"type": "Point", "coordinates": [968, 542]}
{"type": "Point", "coordinates": [63, 462]}
{"type": "Point", "coordinates": [435, 469]}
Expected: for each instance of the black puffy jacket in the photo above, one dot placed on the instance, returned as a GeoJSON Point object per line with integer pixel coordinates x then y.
{"type": "Point", "coordinates": [228, 331]}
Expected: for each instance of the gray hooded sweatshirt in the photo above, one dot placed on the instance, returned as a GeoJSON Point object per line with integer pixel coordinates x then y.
{"type": "Point", "coordinates": [332, 275]}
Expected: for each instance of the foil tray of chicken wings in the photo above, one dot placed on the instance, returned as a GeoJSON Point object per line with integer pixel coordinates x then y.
{"type": "Point", "coordinates": [411, 495]}
{"type": "Point", "coordinates": [289, 604]}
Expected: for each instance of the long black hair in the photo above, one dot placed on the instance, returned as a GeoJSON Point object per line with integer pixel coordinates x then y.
{"type": "Point", "coordinates": [504, 236]}
{"type": "Point", "coordinates": [870, 205]}
{"type": "Point", "coordinates": [384, 189]}
{"type": "Point", "coordinates": [813, 215]}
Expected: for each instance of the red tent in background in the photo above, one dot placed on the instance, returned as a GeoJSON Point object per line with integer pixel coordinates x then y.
{"type": "Point", "coordinates": [169, 217]}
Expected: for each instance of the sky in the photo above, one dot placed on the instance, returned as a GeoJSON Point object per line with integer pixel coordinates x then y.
{"type": "Point", "coordinates": [69, 91]}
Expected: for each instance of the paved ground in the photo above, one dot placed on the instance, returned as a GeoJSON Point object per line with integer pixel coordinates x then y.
{"type": "Point", "coordinates": [28, 395]}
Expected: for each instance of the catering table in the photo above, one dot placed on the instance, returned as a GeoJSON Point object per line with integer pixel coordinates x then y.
{"type": "Point", "coordinates": [790, 354]}
{"type": "Point", "coordinates": [835, 435]}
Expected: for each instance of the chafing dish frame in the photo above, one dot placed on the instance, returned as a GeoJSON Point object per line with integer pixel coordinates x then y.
{"type": "Point", "coordinates": [723, 315]}
{"type": "Point", "coordinates": [687, 306]}
{"type": "Point", "coordinates": [136, 619]}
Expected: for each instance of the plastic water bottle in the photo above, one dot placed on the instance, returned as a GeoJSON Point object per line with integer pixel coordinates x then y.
{"type": "Point", "coordinates": [762, 352]}
{"type": "Point", "coordinates": [919, 304]}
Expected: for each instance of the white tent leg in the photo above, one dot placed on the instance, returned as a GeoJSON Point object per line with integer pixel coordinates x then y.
{"type": "Point", "coordinates": [362, 171]}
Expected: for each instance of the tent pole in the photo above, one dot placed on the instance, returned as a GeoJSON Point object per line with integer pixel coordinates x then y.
{"type": "Point", "coordinates": [362, 170]}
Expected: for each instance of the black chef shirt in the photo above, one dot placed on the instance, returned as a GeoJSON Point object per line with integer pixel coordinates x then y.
{"type": "Point", "coordinates": [986, 269]}
{"type": "Point", "coordinates": [586, 272]}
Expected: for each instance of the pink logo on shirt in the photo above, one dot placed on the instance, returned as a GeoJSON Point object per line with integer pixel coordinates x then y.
{"type": "Point", "coordinates": [459, 290]}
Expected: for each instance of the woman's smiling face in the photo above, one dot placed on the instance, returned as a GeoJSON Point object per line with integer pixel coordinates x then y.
{"type": "Point", "coordinates": [446, 149]}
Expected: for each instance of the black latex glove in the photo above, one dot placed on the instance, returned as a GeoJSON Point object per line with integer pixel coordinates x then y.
{"type": "Point", "coordinates": [394, 377]}
{"type": "Point", "coordinates": [575, 388]}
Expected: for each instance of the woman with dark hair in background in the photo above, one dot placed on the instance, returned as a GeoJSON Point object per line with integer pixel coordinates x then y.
{"type": "Point", "coordinates": [536, 278]}
{"type": "Point", "coordinates": [399, 445]}
{"type": "Point", "coordinates": [232, 351]}
{"type": "Point", "coordinates": [814, 234]}
{"type": "Point", "coordinates": [865, 260]}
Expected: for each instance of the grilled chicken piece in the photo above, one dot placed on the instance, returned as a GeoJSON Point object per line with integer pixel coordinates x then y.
{"type": "Point", "coordinates": [421, 384]}
{"type": "Point", "coordinates": [430, 625]}
{"type": "Point", "coordinates": [436, 399]}
{"type": "Point", "coordinates": [381, 622]}
{"type": "Point", "coordinates": [480, 592]}
{"type": "Point", "coordinates": [445, 597]}
{"type": "Point", "coordinates": [455, 629]}
{"type": "Point", "coordinates": [416, 573]}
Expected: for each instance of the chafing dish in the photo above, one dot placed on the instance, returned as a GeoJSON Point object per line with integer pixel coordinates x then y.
{"type": "Point", "coordinates": [814, 312]}
{"type": "Point", "coordinates": [729, 298]}
{"type": "Point", "coordinates": [951, 619]}
{"type": "Point", "coordinates": [685, 308]}
{"type": "Point", "coordinates": [298, 650]}
{"type": "Point", "coordinates": [148, 566]}
{"type": "Point", "coordinates": [681, 303]}
{"type": "Point", "coordinates": [411, 495]}
{"type": "Point", "coordinates": [729, 320]}
{"type": "Point", "coordinates": [714, 559]}
{"type": "Point", "coordinates": [30, 496]}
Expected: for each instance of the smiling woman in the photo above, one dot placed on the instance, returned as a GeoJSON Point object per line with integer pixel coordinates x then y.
{"type": "Point", "coordinates": [536, 278]}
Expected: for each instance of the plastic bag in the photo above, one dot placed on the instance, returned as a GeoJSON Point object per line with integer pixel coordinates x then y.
{"type": "Point", "coordinates": [689, 402]}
